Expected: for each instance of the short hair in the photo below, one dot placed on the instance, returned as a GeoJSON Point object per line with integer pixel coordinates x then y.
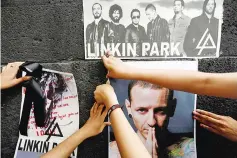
{"type": "Point", "coordinates": [98, 4]}
{"type": "Point", "coordinates": [205, 4]}
{"type": "Point", "coordinates": [143, 84]}
{"type": "Point", "coordinates": [182, 2]}
{"type": "Point", "coordinates": [135, 10]}
{"type": "Point", "coordinates": [114, 8]}
{"type": "Point", "coordinates": [150, 6]}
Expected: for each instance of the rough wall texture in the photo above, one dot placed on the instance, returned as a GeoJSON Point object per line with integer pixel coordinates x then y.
{"type": "Point", "coordinates": [51, 32]}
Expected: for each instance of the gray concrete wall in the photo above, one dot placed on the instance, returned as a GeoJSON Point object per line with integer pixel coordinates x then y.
{"type": "Point", "coordinates": [51, 32]}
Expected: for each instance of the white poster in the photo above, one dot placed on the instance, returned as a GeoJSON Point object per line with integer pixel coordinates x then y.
{"type": "Point", "coordinates": [161, 117]}
{"type": "Point", "coordinates": [152, 29]}
{"type": "Point", "coordinates": [61, 109]}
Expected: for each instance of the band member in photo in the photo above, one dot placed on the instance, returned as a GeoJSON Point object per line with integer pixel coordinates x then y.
{"type": "Point", "coordinates": [150, 107]}
{"type": "Point", "coordinates": [136, 33]}
{"type": "Point", "coordinates": [178, 26]}
{"type": "Point", "coordinates": [97, 31]}
{"type": "Point", "coordinates": [202, 32]}
{"type": "Point", "coordinates": [157, 28]}
{"type": "Point", "coordinates": [116, 30]}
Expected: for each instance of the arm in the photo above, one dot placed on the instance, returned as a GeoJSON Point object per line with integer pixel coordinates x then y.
{"type": "Point", "coordinates": [65, 148]}
{"type": "Point", "coordinates": [127, 140]}
{"type": "Point", "coordinates": [93, 126]}
{"type": "Point", "coordinates": [213, 84]}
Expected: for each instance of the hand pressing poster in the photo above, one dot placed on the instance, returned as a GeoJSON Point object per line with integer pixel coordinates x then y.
{"type": "Point", "coordinates": [161, 117]}
{"type": "Point", "coordinates": [152, 28]}
{"type": "Point", "coordinates": [61, 108]}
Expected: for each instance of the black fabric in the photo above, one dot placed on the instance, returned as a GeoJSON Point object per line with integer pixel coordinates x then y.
{"type": "Point", "coordinates": [33, 96]}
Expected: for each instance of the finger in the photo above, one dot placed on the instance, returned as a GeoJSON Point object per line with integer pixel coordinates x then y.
{"type": "Point", "coordinates": [92, 109]}
{"type": "Point", "coordinates": [207, 120]}
{"type": "Point", "coordinates": [149, 136]}
{"type": "Point", "coordinates": [104, 125]}
{"type": "Point", "coordinates": [105, 60]}
{"type": "Point", "coordinates": [154, 143]}
{"type": "Point", "coordinates": [100, 108]}
{"type": "Point", "coordinates": [108, 75]}
{"type": "Point", "coordinates": [107, 123]}
{"type": "Point", "coordinates": [95, 108]}
{"type": "Point", "coordinates": [108, 82]}
{"type": "Point", "coordinates": [109, 54]}
{"type": "Point", "coordinates": [210, 114]}
{"type": "Point", "coordinates": [19, 80]}
{"type": "Point", "coordinates": [17, 64]}
{"type": "Point", "coordinates": [105, 112]}
{"type": "Point", "coordinates": [10, 65]}
{"type": "Point", "coordinates": [210, 129]}
{"type": "Point", "coordinates": [3, 68]}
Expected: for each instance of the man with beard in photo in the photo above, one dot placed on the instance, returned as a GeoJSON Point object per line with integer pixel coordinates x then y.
{"type": "Point", "coordinates": [116, 30]}
{"type": "Point", "coordinates": [150, 107]}
{"type": "Point", "coordinates": [202, 32]}
{"type": "Point", "coordinates": [97, 31]}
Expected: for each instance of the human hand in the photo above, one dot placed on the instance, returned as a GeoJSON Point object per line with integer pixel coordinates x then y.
{"type": "Point", "coordinates": [151, 143]}
{"type": "Point", "coordinates": [8, 75]}
{"type": "Point", "coordinates": [95, 124]}
{"type": "Point", "coordinates": [222, 125]}
{"type": "Point", "coordinates": [104, 94]}
{"type": "Point", "coordinates": [116, 67]}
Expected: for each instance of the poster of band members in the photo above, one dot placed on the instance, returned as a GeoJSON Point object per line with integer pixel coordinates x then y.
{"type": "Point", "coordinates": [152, 28]}
{"type": "Point", "coordinates": [61, 112]}
{"type": "Point", "coordinates": [161, 117]}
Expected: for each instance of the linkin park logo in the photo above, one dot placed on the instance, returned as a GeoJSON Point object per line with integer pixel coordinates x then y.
{"type": "Point", "coordinates": [207, 44]}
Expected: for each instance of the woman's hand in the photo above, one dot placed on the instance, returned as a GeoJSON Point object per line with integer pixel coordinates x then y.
{"type": "Point", "coordinates": [116, 67]}
{"type": "Point", "coordinates": [8, 75]}
{"type": "Point", "coordinates": [95, 124]}
{"type": "Point", "coordinates": [104, 94]}
{"type": "Point", "coordinates": [222, 125]}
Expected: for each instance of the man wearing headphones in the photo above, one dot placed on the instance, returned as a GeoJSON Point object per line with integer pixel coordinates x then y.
{"type": "Point", "coordinates": [150, 106]}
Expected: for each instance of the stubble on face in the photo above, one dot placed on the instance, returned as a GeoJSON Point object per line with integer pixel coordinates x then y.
{"type": "Point", "coordinates": [146, 108]}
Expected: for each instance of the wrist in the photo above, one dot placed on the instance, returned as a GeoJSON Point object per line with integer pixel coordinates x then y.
{"type": "Point", "coordinates": [111, 101]}
{"type": "Point", "coordinates": [85, 131]}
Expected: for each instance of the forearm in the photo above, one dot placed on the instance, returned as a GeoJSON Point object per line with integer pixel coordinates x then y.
{"type": "Point", "coordinates": [213, 84]}
{"type": "Point", "coordinates": [127, 140]}
{"type": "Point", "coordinates": [64, 149]}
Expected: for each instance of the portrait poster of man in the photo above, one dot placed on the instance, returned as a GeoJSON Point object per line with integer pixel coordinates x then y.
{"type": "Point", "coordinates": [152, 29]}
{"type": "Point", "coordinates": [161, 117]}
{"type": "Point", "coordinates": [61, 110]}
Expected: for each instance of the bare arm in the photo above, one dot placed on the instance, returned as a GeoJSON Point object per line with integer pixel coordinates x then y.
{"type": "Point", "coordinates": [213, 84]}
{"type": "Point", "coordinates": [127, 140]}
{"type": "Point", "coordinates": [129, 144]}
{"type": "Point", "coordinates": [64, 149]}
{"type": "Point", "coordinates": [94, 125]}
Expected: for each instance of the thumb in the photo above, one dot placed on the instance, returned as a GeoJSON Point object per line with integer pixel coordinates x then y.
{"type": "Point", "coordinates": [104, 59]}
{"type": "Point", "coordinates": [107, 123]}
{"type": "Point", "coordinates": [19, 80]}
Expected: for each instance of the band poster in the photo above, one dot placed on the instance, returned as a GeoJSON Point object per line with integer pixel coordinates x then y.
{"type": "Point", "coordinates": [152, 29]}
{"type": "Point", "coordinates": [161, 117]}
{"type": "Point", "coordinates": [61, 119]}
